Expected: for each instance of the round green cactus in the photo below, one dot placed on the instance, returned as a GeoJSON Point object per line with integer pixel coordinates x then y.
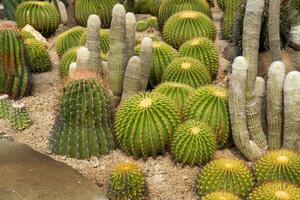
{"type": "Point", "coordinates": [38, 56]}
{"type": "Point", "coordinates": [177, 92]}
{"type": "Point", "coordinates": [210, 105]}
{"type": "Point", "coordinates": [275, 191]}
{"type": "Point", "coordinates": [204, 50]}
{"type": "Point", "coordinates": [152, 22]}
{"type": "Point", "coordinates": [145, 124]}
{"type": "Point", "coordinates": [188, 71]}
{"type": "Point", "coordinates": [104, 40]}
{"type": "Point", "coordinates": [68, 57]}
{"type": "Point", "coordinates": [142, 26]}
{"type": "Point", "coordinates": [226, 174]}
{"type": "Point", "coordinates": [4, 106]}
{"type": "Point", "coordinates": [221, 196]}
{"type": "Point", "coordinates": [127, 181]}
{"type": "Point", "coordinates": [19, 117]}
{"type": "Point", "coordinates": [170, 7]}
{"type": "Point", "coordinates": [103, 8]}
{"type": "Point", "coordinates": [41, 15]}
{"type": "Point", "coordinates": [69, 39]}
{"type": "Point", "coordinates": [278, 164]}
{"type": "Point", "coordinates": [194, 143]}
{"type": "Point", "coordinates": [186, 25]}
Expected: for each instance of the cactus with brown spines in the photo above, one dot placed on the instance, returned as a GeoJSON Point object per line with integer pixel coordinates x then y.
{"type": "Point", "coordinates": [19, 117]}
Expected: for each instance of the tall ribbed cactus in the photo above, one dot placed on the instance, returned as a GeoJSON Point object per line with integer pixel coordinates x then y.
{"type": "Point", "coordinates": [19, 117]}
{"type": "Point", "coordinates": [130, 33]}
{"type": "Point", "coordinates": [14, 73]}
{"type": "Point", "coordinates": [230, 13]}
{"type": "Point", "coordinates": [260, 94]}
{"type": "Point", "coordinates": [10, 8]}
{"type": "Point", "coordinates": [104, 40]}
{"type": "Point", "coordinates": [83, 129]}
{"type": "Point", "coordinates": [4, 106]}
{"type": "Point", "coordinates": [146, 58]}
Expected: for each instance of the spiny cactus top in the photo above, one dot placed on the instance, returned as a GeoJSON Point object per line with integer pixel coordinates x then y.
{"type": "Point", "coordinates": [145, 124]}
{"type": "Point", "coordinates": [275, 191]}
{"type": "Point", "coordinates": [221, 196]}
{"type": "Point", "coordinates": [42, 16]}
{"type": "Point", "coordinates": [225, 174]}
{"type": "Point", "coordinates": [19, 117]}
{"type": "Point", "coordinates": [279, 164]}
{"type": "Point", "coordinates": [4, 106]}
{"type": "Point", "coordinates": [127, 181]}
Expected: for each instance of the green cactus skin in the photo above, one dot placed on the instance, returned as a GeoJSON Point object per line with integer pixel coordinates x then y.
{"type": "Point", "coordinates": [221, 4]}
{"type": "Point", "coordinates": [102, 8]}
{"type": "Point", "coordinates": [4, 106]}
{"type": "Point", "coordinates": [155, 6]}
{"type": "Point", "coordinates": [275, 191]}
{"type": "Point", "coordinates": [69, 57]}
{"type": "Point", "coordinates": [143, 6]}
{"type": "Point", "coordinates": [83, 129]}
{"type": "Point", "coordinates": [127, 181]}
{"type": "Point", "coordinates": [210, 105]}
{"type": "Point", "coordinates": [221, 196]}
{"type": "Point", "coordinates": [10, 8]}
{"type": "Point", "coordinates": [19, 117]}
{"type": "Point", "coordinates": [204, 50]}
{"type": "Point", "coordinates": [142, 26]}
{"type": "Point", "coordinates": [38, 57]}
{"type": "Point", "coordinates": [145, 124]}
{"type": "Point", "coordinates": [280, 165]}
{"type": "Point", "coordinates": [170, 7]}
{"type": "Point", "coordinates": [26, 35]}
{"type": "Point", "coordinates": [230, 14]}
{"type": "Point", "coordinates": [104, 40]}
{"type": "Point", "coordinates": [187, 71]}
{"type": "Point", "coordinates": [186, 25]}
{"type": "Point", "coordinates": [152, 22]}
{"type": "Point", "coordinates": [194, 143]}
{"type": "Point", "coordinates": [14, 73]}
{"type": "Point", "coordinates": [69, 39]}
{"type": "Point", "coordinates": [177, 92]}
{"type": "Point", "coordinates": [226, 174]}
{"type": "Point", "coordinates": [42, 16]}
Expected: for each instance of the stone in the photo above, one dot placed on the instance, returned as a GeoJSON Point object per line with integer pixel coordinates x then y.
{"type": "Point", "coordinates": [35, 33]}
{"type": "Point", "coordinates": [63, 12]}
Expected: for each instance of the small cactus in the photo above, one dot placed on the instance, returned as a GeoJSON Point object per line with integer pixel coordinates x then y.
{"type": "Point", "coordinates": [19, 117]}
{"type": "Point", "coordinates": [221, 196]}
{"type": "Point", "coordinates": [142, 25]}
{"type": "Point", "coordinates": [152, 22]}
{"type": "Point", "coordinates": [4, 106]}
{"type": "Point", "coordinates": [68, 57]}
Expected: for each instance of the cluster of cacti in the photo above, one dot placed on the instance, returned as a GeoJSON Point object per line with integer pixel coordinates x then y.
{"type": "Point", "coordinates": [226, 174]}
{"type": "Point", "coordinates": [204, 50]}
{"type": "Point", "coordinates": [103, 8]}
{"type": "Point", "coordinates": [221, 196]}
{"type": "Point", "coordinates": [10, 8]}
{"type": "Point", "coordinates": [68, 57]}
{"type": "Point", "coordinates": [83, 130]}
{"type": "Point", "coordinates": [14, 73]}
{"type": "Point", "coordinates": [127, 181]}
{"type": "Point", "coordinates": [4, 106]}
{"type": "Point", "coordinates": [230, 13]}
{"type": "Point", "coordinates": [142, 25]}
{"type": "Point", "coordinates": [210, 105]}
{"type": "Point", "coordinates": [201, 143]}
{"type": "Point", "coordinates": [19, 117]}
{"type": "Point", "coordinates": [189, 24]}
{"type": "Point", "coordinates": [138, 126]}
{"type": "Point", "coordinates": [103, 38]}
{"type": "Point", "coordinates": [42, 16]}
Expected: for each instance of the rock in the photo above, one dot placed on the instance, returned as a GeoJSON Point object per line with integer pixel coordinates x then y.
{"type": "Point", "coordinates": [35, 33]}
{"type": "Point", "coordinates": [63, 12]}
{"type": "Point", "coordinates": [295, 37]}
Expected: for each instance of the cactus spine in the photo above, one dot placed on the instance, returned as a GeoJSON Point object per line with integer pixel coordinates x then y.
{"type": "Point", "coordinates": [147, 63]}
{"type": "Point", "coordinates": [4, 106]}
{"type": "Point", "coordinates": [19, 117]}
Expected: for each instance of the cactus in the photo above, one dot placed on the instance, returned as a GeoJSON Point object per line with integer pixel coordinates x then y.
{"type": "Point", "coordinates": [209, 105]}
{"type": "Point", "coordinates": [82, 59]}
{"type": "Point", "coordinates": [26, 35]}
{"type": "Point", "coordinates": [143, 6]}
{"type": "Point", "coordinates": [226, 174]}
{"type": "Point", "coordinates": [280, 165]}
{"type": "Point", "coordinates": [230, 13]}
{"type": "Point", "coordinates": [4, 106]}
{"type": "Point", "coordinates": [38, 57]}
{"type": "Point", "coordinates": [14, 73]}
{"type": "Point", "coordinates": [221, 4]}
{"type": "Point", "coordinates": [260, 95]}
{"type": "Point", "coordinates": [142, 26]}
{"type": "Point", "coordinates": [187, 25]}
{"type": "Point", "coordinates": [170, 7]}
{"type": "Point", "coordinates": [68, 57]}
{"type": "Point", "coordinates": [275, 191]}
{"type": "Point", "coordinates": [68, 39]}
{"type": "Point", "coordinates": [177, 92]}
{"type": "Point", "coordinates": [19, 117]}
{"type": "Point", "coordinates": [152, 22]}
{"type": "Point", "coordinates": [10, 8]}
{"type": "Point", "coordinates": [127, 181]}
{"type": "Point", "coordinates": [130, 33]}
{"type": "Point", "coordinates": [274, 29]}
{"type": "Point", "coordinates": [221, 196]}
{"type": "Point", "coordinates": [155, 5]}
{"type": "Point", "coordinates": [193, 143]}
{"type": "Point", "coordinates": [275, 84]}
{"type": "Point", "coordinates": [188, 71]}
{"type": "Point", "coordinates": [204, 50]}
{"type": "Point", "coordinates": [146, 58]}
{"type": "Point", "coordinates": [83, 130]}
{"type": "Point", "coordinates": [144, 125]}
{"type": "Point", "coordinates": [42, 16]}
{"type": "Point", "coordinates": [104, 40]}
{"type": "Point", "coordinates": [103, 8]}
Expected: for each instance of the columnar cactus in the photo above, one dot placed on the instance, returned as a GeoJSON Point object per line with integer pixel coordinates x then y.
{"type": "Point", "coordinates": [83, 130]}
{"type": "Point", "coordinates": [68, 57]}
{"type": "Point", "coordinates": [221, 196]}
{"type": "Point", "coordinates": [14, 72]}
{"type": "Point", "coordinates": [146, 58]}
{"type": "Point", "coordinates": [10, 8]}
{"type": "Point", "coordinates": [4, 106]}
{"type": "Point", "coordinates": [194, 143]}
{"type": "Point", "coordinates": [145, 124]}
{"type": "Point", "coordinates": [260, 94]}
{"type": "Point", "coordinates": [43, 16]}
{"type": "Point", "coordinates": [130, 33]}
{"type": "Point", "coordinates": [187, 25]}
{"type": "Point", "coordinates": [104, 40]}
{"type": "Point", "coordinates": [230, 13]}
{"type": "Point", "coordinates": [127, 181]}
{"type": "Point", "coordinates": [19, 117]}
{"type": "Point", "coordinates": [82, 58]}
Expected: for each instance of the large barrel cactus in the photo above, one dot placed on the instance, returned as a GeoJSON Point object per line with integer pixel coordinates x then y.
{"type": "Point", "coordinates": [10, 8]}
{"type": "Point", "coordinates": [82, 130]}
{"type": "Point", "coordinates": [221, 196]}
{"type": "Point", "coordinates": [14, 73]}
{"type": "Point", "coordinates": [68, 57]}
{"type": "Point", "coordinates": [41, 15]}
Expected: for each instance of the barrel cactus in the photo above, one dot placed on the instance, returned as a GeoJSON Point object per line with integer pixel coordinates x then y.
{"type": "Point", "coordinates": [152, 22]}
{"type": "Point", "coordinates": [221, 196]}
{"type": "Point", "coordinates": [68, 57]}
{"type": "Point", "coordinates": [41, 15]}
{"type": "Point", "coordinates": [280, 165]}
{"type": "Point", "coordinates": [187, 71]}
{"type": "Point", "coordinates": [187, 25]}
{"type": "Point", "coordinates": [145, 124]}
{"type": "Point", "coordinates": [230, 13]}
{"type": "Point", "coordinates": [26, 35]}
{"type": "Point", "coordinates": [4, 106]}
{"type": "Point", "coordinates": [142, 26]}
{"type": "Point", "coordinates": [19, 117]}
{"type": "Point", "coordinates": [10, 8]}
{"type": "Point", "coordinates": [103, 8]}
{"type": "Point", "coordinates": [104, 40]}
{"type": "Point", "coordinates": [210, 105]}
{"type": "Point", "coordinates": [127, 181]}
{"type": "Point", "coordinates": [226, 174]}
{"type": "Point", "coordinates": [275, 191]}
{"type": "Point", "coordinates": [194, 143]}
{"type": "Point", "coordinates": [82, 130]}
{"type": "Point", "coordinates": [14, 73]}
{"type": "Point", "coordinates": [204, 50]}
